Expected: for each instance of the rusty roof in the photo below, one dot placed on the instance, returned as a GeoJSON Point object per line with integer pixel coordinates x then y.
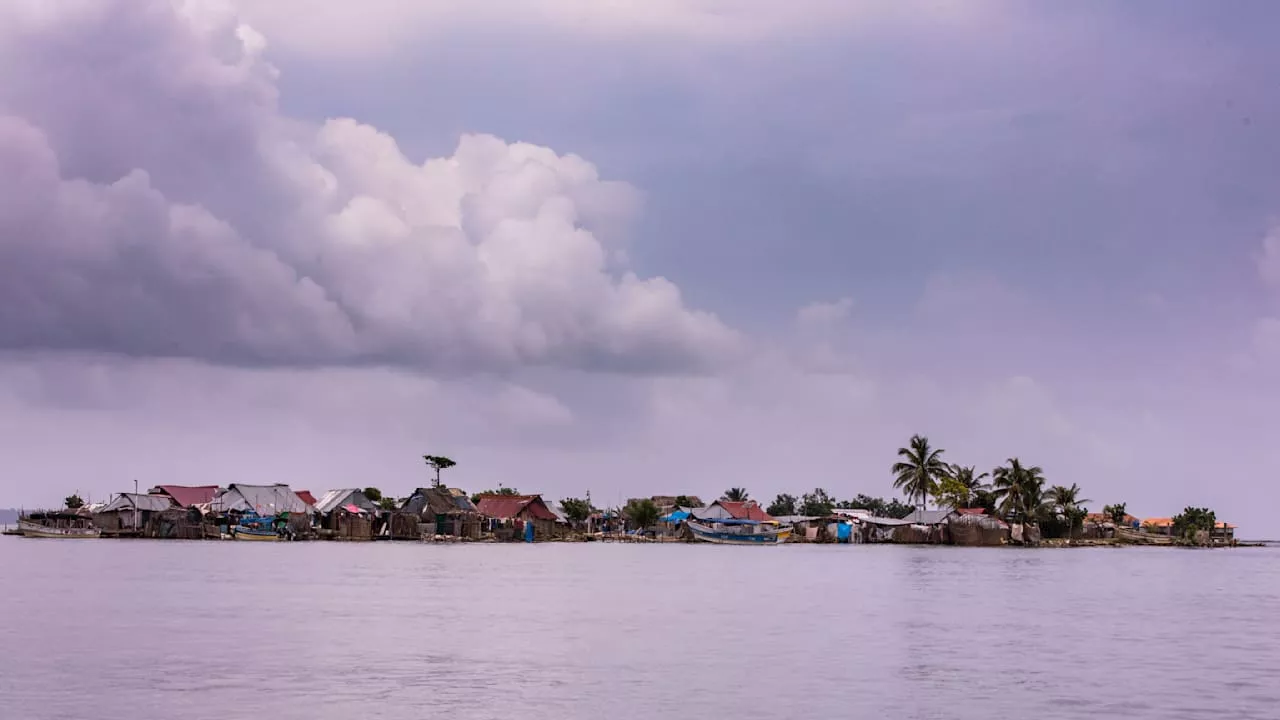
{"type": "Point", "coordinates": [187, 495]}
{"type": "Point", "coordinates": [745, 510]}
{"type": "Point", "coordinates": [505, 507]}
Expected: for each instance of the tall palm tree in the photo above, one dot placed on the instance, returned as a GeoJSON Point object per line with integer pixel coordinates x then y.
{"type": "Point", "coordinates": [1020, 490]}
{"type": "Point", "coordinates": [972, 483]}
{"type": "Point", "coordinates": [735, 494]}
{"type": "Point", "coordinates": [919, 469]}
{"type": "Point", "coordinates": [1066, 501]}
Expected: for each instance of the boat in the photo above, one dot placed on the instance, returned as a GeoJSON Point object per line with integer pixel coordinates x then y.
{"type": "Point", "coordinates": [738, 532]}
{"type": "Point", "coordinates": [58, 524]}
{"type": "Point", "coordinates": [256, 528]}
{"type": "Point", "coordinates": [244, 532]}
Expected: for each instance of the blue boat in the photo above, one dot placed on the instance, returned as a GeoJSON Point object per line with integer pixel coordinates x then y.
{"type": "Point", "coordinates": [738, 532]}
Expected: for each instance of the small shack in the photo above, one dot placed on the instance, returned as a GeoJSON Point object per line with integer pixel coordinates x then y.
{"type": "Point", "coordinates": [264, 501]}
{"type": "Point", "coordinates": [733, 510]}
{"type": "Point", "coordinates": [443, 511]}
{"type": "Point", "coordinates": [977, 529]}
{"type": "Point", "coordinates": [346, 514]}
{"type": "Point", "coordinates": [130, 514]}
{"type": "Point", "coordinates": [507, 515]}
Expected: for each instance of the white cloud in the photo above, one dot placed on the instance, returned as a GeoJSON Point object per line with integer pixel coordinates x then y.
{"type": "Point", "coordinates": [824, 316]}
{"type": "Point", "coordinates": [156, 203]}
{"type": "Point", "coordinates": [1269, 259]}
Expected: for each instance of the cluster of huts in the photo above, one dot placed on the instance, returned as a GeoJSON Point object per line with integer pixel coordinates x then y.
{"type": "Point", "coordinates": [444, 513]}
{"type": "Point", "coordinates": [194, 512]}
{"type": "Point", "coordinates": [963, 526]}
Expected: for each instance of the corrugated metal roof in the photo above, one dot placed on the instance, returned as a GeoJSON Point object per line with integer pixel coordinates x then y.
{"type": "Point", "coordinates": [509, 506]}
{"type": "Point", "coordinates": [335, 499]}
{"type": "Point", "coordinates": [187, 495]}
{"type": "Point", "coordinates": [928, 517]}
{"type": "Point", "coordinates": [262, 499]}
{"type": "Point", "coordinates": [130, 501]}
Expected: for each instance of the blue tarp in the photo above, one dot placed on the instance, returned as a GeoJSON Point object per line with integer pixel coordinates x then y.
{"type": "Point", "coordinates": [677, 516]}
{"type": "Point", "coordinates": [843, 531]}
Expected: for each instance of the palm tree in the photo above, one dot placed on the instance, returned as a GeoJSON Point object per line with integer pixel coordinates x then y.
{"type": "Point", "coordinates": [1020, 490]}
{"type": "Point", "coordinates": [735, 494]}
{"type": "Point", "coordinates": [1067, 502]}
{"type": "Point", "coordinates": [919, 469]}
{"type": "Point", "coordinates": [972, 483]}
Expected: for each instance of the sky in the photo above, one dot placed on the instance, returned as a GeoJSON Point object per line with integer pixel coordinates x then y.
{"type": "Point", "coordinates": [641, 248]}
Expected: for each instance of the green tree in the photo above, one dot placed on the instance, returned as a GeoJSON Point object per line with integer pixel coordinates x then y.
{"type": "Point", "coordinates": [816, 504]}
{"type": "Point", "coordinates": [684, 501]}
{"type": "Point", "coordinates": [74, 502]}
{"type": "Point", "coordinates": [1020, 491]}
{"type": "Point", "coordinates": [735, 494]}
{"type": "Point", "coordinates": [951, 492]}
{"type": "Point", "coordinates": [919, 469]}
{"type": "Point", "coordinates": [641, 514]}
{"type": "Point", "coordinates": [1115, 513]}
{"type": "Point", "coordinates": [895, 508]}
{"type": "Point", "coordinates": [374, 494]}
{"type": "Point", "coordinates": [968, 483]}
{"type": "Point", "coordinates": [576, 510]}
{"type": "Point", "coordinates": [388, 503]}
{"type": "Point", "coordinates": [782, 506]}
{"type": "Point", "coordinates": [1193, 520]}
{"type": "Point", "coordinates": [439, 462]}
{"type": "Point", "coordinates": [1066, 502]}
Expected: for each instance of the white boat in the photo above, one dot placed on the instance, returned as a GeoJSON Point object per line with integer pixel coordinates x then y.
{"type": "Point", "coordinates": [738, 532]}
{"type": "Point", "coordinates": [58, 525]}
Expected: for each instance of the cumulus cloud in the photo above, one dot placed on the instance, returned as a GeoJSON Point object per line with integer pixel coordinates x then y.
{"type": "Point", "coordinates": [155, 202]}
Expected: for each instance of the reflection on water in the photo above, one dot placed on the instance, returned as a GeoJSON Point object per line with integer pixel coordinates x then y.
{"type": "Point", "coordinates": [156, 630]}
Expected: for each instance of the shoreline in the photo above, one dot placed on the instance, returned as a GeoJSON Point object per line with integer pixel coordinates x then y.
{"type": "Point", "coordinates": [1052, 544]}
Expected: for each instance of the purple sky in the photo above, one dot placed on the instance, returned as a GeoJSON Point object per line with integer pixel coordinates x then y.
{"type": "Point", "coordinates": [658, 247]}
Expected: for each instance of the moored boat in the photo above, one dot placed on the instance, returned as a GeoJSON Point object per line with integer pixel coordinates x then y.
{"type": "Point", "coordinates": [259, 534]}
{"type": "Point", "coordinates": [65, 524]}
{"type": "Point", "coordinates": [738, 532]}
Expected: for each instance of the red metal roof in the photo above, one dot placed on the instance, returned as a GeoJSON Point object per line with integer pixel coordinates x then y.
{"type": "Point", "coordinates": [747, 510]}
{"type": "Point", "coordinates": [972, 511]}
{"type": "Point", "coordinates": [505, 507]}
{"type": "Point", "coordinates": [305, 496]}
{"type": "Point", "coordinates": [187, 495]}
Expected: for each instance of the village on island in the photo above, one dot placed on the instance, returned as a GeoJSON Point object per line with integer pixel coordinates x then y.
{"type": "Point", "coordinates": [1011, 505]}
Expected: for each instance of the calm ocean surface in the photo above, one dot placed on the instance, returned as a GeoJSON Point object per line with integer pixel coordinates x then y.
{"type": "Point", "coordinates": [142, 630]}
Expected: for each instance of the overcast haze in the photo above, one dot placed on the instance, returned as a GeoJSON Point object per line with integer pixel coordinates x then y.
{"type": "Point", "coordinates": [641, 248]}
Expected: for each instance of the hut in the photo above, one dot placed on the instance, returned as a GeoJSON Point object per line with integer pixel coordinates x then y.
{"type": "Point", "coordinates": [443, 511]}
{"type": "Point", "coordinates": [977, 529]}
{"type": "Point", "coordinates": [129, 514]}
{"type": "Point", "coordinates": [346, 514]}
{"type": "Point", "coordinates": [265, 501]}
{"type": "Point", "coordinates": [733, 510]}
{"type": "Point", "coordinates": [506, 513]}
{"type": "Point", "coordinates": [881, 529]}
